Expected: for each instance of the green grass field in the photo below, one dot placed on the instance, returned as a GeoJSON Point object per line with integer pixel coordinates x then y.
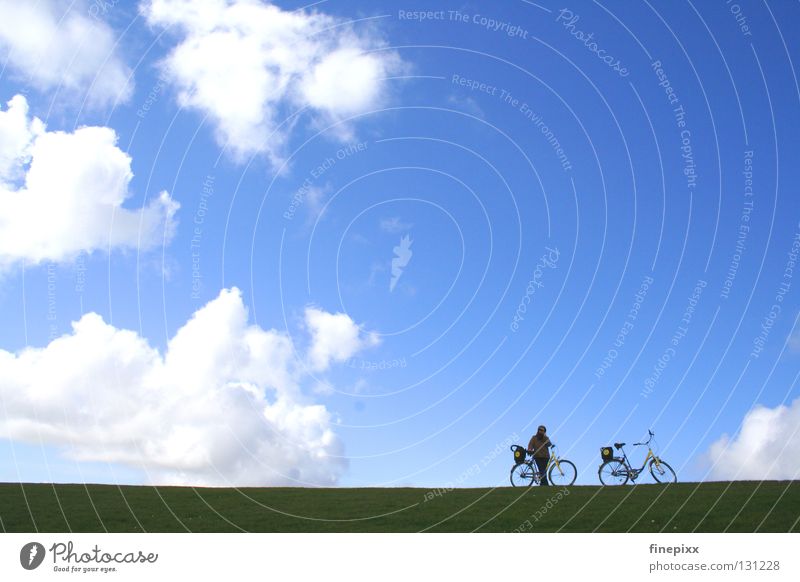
{"type": "Point", "coordinates": [772, 506]}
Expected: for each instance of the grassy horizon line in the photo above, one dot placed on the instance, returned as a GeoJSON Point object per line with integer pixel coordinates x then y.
{"type": "Point", "coordinates": [735, 506]}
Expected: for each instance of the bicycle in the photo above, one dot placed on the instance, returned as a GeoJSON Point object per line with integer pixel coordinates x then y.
{"type": "Point", "coordinates": [560, 472]}
{"type": "Point", "coordinates": [617, 471]}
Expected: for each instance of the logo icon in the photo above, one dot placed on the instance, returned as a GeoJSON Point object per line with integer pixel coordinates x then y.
{"type": "Point", "coordinates": [31, 555]}
{"type": "Point", "coordinates": [402, 257]}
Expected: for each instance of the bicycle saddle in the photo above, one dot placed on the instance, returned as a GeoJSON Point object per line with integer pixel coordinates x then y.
{"type": "Point", "coordinates": [619, 445]}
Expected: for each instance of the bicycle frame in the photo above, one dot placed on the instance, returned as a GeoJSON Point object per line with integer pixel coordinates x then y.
{"type": "Point", "coordinates": [619, 470]}
{"type": "Point", "coordinates": [553, 460]}
{"type": "Point", "coordinates": [634, 473]}
{"type": "Point", "coordinates": [527, 472]}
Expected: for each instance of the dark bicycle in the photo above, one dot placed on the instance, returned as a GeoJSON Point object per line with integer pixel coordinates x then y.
{"type": "Point", "coordinates": [617, 471]}
{"type": "Point", "coordinates": [525, 473]}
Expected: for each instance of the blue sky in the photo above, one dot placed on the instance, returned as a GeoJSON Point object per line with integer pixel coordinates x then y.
{"type": "Point", "coordinates": [560, 211]}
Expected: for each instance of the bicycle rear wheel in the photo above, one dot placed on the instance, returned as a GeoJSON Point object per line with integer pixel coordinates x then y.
{"type": "Point", "coordinates": [662, 472]}
{"type": "Point", "coordinates": [523, 475]}
{"type": "Point", "coordinates": [613, 472]}
{"type": "Point", "coordinates": [562, 474]}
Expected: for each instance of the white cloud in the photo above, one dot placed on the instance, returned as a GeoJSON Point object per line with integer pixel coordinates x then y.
{"type": "Point", "coordinates": [767, 447]}
{"type": "Point", "coordinates": [57, 45]}
{"type": "Point", "coordinates": [334, 338]}
{"type": "Point", "coordinates": [248, 65]}
{"type": "Point", "coordinates": [17, 132]}
{"type": "Point", "coordinates": [394, 225]}
{"type": "Point", "coordinates": [62, 193]}
{"type": "Point", "coordinates": [315, 202]}
{"type": "Point", "coordinates": [793, 341]}
{"type": "Point", "coordinates": [344, 82]}
{"type": "Point", "coordinates": [361, 386]}
{"type": "Point", "coordinates": [466, 104]}
{"type": "Point", "coordinates": [222, 406]}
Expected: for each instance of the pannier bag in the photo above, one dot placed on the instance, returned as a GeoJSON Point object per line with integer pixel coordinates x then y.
{"type": "Point", "coordinates": [607, 453]}
{"type": "Point", "coordinates": [519, 454]}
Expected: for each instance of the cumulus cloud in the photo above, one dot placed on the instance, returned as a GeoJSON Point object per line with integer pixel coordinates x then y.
{"type": "Point", "coordinates": [767, 447]}
{"type": "Point", "coordinates": [58, 45]}
{"type": "Point", "coordinates": [248, 65]}
{"type": "Point", "coordinates": [223, 404]}
{"type": "Point", "coordinates": [334, 338]}
{"type": "Point", "coordinates": [62, 193]}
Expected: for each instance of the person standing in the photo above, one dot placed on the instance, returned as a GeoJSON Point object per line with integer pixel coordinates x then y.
{"type": "Point", "coordinates": [539, 448]}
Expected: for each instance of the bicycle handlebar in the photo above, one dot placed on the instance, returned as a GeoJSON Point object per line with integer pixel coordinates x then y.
{"type": "Point", "coordinates": [647, 442]}
{"type": "Point", "coordinates": [513, 447]}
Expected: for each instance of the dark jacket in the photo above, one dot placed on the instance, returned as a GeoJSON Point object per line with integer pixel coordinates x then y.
{"type": "Point", "coordinates": [539, 447]}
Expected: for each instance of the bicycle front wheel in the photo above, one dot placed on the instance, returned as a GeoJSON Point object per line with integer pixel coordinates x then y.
{"type": "Point", "coordinates": [562, 474]}
{"type": "Point", "coordinates": [613, 472]}
{"type": "Point", "coordinates": [523, 475]}
{"type": "Point", "coordinates": [662, 472]}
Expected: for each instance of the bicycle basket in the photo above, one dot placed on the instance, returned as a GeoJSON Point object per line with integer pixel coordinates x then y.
{"type": "Point", "coordinates": [607, 453]}
{"type": "Point", "coordinates": [519, 454]}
